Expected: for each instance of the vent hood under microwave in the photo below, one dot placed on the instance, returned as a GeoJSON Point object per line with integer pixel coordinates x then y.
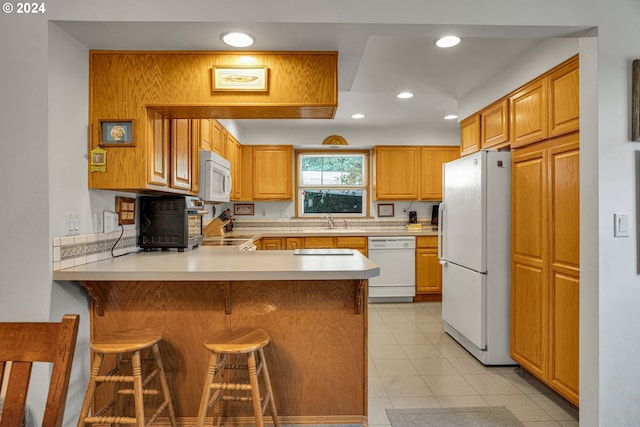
{"type": "Point", "coordinates": [215, 177]}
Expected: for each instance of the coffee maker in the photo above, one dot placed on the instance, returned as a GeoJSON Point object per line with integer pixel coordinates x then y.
{"type": "Point", "coordinates": [413, 217]}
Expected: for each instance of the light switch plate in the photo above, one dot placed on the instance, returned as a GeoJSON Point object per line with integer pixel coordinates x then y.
{"type": "Point", "coordinates": [621, 225]}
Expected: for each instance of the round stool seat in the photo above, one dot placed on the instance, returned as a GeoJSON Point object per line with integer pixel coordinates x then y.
{"type": "Point", "coordinates": [125, 341]}
{"type": "Point", "coordinates": [237, 341]}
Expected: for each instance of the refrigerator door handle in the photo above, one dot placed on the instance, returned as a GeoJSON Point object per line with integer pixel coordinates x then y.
{"type": "Point", "coordinates": [441, 211]}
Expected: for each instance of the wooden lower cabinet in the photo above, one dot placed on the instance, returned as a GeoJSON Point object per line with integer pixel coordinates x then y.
{"type": "Point", "coordinates": [545, 287]}
{"type": "Point", "coordinates": [428, 270]}
{"type": "Point", "coordinates": [317, 242]}
{"type": "Point", "coordinates": [271, 244]}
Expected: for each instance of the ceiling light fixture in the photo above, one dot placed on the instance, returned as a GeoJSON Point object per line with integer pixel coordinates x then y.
{"type": "Point", "coordinates": [237, 39]}
{"type": "Point", "coordinates": [404, 95]}
{"type": "Point", "coordinates": [450, 117]}
{"type": "Point", "coordinates": [447, 41]}
{"type": "Point", "coordinates": [357, 116]}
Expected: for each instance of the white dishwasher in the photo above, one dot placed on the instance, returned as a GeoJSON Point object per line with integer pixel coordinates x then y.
{"type": "Point", "coordinates": [395, 255]}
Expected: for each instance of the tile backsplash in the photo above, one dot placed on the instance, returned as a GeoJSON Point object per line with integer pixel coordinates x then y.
{"type": "Point", "coordinates": [71, 251]}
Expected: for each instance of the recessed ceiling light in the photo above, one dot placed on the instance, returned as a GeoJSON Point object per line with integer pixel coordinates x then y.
{"type": "Point", "coordinates": [237, 39]}
{"type": "Point", "coordinates": [450, 117]}
{"type": "Point", "coordinates": [447, 41]}
{"type": "Point", "coordinates": [405, 95]}
{"type": "Point", "coordinates": [357, 116]}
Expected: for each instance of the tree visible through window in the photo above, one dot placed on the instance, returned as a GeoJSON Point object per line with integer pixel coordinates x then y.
{"type": "Point", "coordinates": [332, 183]}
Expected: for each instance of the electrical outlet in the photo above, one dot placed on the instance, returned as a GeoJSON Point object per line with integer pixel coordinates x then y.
{"type": "Point", "coordinates": [98, 222]}
{"type": "Point", "coordinates": [110, 221]}
{"type": "Point", "coordinates": [71, 223]}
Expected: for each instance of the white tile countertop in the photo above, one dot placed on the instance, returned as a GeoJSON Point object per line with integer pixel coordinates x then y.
{"type": "Point", "coordinates": [208, 263]}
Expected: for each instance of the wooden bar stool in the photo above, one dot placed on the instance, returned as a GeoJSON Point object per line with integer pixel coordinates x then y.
{"type": "Point", "coordinates": [224, 346]}
{"type": "Point", "coordinates": [120, 344]}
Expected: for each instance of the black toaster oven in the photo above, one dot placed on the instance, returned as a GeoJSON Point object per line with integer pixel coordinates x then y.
{"type": "Point", "coordinates": [170, 222]}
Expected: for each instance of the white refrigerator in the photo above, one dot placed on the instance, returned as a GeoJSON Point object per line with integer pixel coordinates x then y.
{"type": "Point", "coordinates": [474, 251]}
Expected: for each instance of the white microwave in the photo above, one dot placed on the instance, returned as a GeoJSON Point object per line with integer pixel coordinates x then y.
{"type": "Point", "coordinates": [215, 177]}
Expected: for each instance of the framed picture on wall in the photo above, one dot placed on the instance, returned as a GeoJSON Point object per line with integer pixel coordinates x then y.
{"type": "Point", "coordinates": [239, 78]}
{"type": "Point", "coordinates": [385, 209]}
{"type": "Point", "coordinates": [116, 132]}
{"type": "Point", "coordinates": [243, 209]}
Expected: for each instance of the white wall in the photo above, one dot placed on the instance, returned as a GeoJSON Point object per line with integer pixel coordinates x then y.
{"type": "Point", "coordinates": [610, 284]}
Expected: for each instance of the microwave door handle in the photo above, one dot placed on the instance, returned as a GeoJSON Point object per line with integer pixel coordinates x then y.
{"type": "Point", "coordinates": [227, 183]}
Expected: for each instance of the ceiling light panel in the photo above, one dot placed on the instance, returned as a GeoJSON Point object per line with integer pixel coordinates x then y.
{"type": "Point", "coordinates": [448, 41]}
{"type": "Point", "coordinates": [237, 39]}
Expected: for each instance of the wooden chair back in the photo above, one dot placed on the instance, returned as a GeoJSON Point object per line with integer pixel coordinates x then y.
{"type": "Point", "coordinates": [28, 342]}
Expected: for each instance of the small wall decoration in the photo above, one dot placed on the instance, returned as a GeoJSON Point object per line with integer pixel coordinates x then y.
{"type": "Point", "coordinates": [334, 140]}
{"type": "Point", "coordinates": [98, 160]}
{"type": "Point", "coordinates": [635, 101]}
{"type": "Point", "coordinates": [385, 209]}
{"type": "Point", "coordinates": [243, 209]}
{"type": "Point", "coordinates": [239, 78]}
{"type": "Point", "coordinates": [116, 132]}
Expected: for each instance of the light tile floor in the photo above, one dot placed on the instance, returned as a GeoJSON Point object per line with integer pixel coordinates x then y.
{"type": "Point", "coordinates": [413, 363]}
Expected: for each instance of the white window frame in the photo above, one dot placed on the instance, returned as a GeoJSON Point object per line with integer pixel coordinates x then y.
{"type": "Point", "coordinates": [365, 187]}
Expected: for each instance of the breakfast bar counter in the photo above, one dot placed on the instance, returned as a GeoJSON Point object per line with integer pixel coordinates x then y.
{"type": "Point", "coordinates": [312, 306]}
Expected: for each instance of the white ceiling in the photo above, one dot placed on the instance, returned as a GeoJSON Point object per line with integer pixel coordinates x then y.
{"type": "Point", "coordinates": [375, 62]}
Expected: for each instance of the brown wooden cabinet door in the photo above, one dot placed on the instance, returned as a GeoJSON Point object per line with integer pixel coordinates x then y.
{"type": "Point", "coordinates": [470, 135]}
{"type": "Point", "coordinates": [158, 149]}
{"type": "Point", "coordinates": [431, 161]}
{"type": "Point", "coordinates": [564, 253]}
{"type": "Point", "coordinates": [319, 242]}
{"type": "Point", "coordinates": [272, 172]}
{"type": "Point", "coordinates": [294, 243]}
{"type": "Point", "coordinates": [564, 100]}
{"type": "Point", "coordinates": [181, 154]}
{"type": "Point", "coordinates": [204, 136]}
{"type": "Point", "coordinates": [395, 174]}
{"type": "Point", "coordinates": [271, 244]}
{"type": "Point", "coordinates": [529, 121]}
{"type": "Point", "coordinates": [529, 265]}
{"type": "Point", "coordinates": [234, 155]}
{"type": "Point", "coordinates": [428, 271]}
{"type": "Point", "coordinates": [218, 137]}
{"type": "Point", "coordinates": [494, 125]}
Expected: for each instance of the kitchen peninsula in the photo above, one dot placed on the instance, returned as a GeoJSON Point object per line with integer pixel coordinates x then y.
{"type": "Point", "coordinates": [313, 307]}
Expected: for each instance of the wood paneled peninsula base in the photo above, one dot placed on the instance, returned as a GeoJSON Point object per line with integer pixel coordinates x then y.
{"type": "Point", "coordinates": [313, 307]}
{"type": "Point", "coordinates": [318, 328]}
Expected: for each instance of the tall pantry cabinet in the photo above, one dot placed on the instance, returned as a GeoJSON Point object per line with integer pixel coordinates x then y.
{"type": "Point", "coordinates": [545, 287]}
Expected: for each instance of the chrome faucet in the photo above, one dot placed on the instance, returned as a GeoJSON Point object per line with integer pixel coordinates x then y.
{"type": "Point", "coordinates": [330, 220]}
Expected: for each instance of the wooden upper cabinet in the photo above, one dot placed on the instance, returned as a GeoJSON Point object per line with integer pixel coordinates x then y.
{"type": "Point", "coordinates": [470, 135]}
{"type": "Point", "coordinates": [431, 161]}
{"type": "Point", "coordinates": [218, 137]}
{"type": "Point", "coordinates": [204, 134]}
{"type": "Point", "coordinates": [494, 125]}
{"type": "Point", "coordinates": [395, 172]}
{"type": "Point", "coordinates": [158, 151]}
{"type": "Point", "coordinates": [272, 172]}
{"type": "Point", "coordinates": [181, 154]}
{"type": "Point", "coordinates": [529, 122]}
{"type": "Point", "coordinates": [564, 99]}
{"type": "Point", "coordinates": [233, 153]}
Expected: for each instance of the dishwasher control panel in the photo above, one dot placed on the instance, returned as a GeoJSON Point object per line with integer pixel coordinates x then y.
{"type": "Point", "coordinates": [392, 242]}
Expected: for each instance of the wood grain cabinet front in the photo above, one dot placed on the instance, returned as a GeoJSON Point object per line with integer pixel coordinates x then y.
{"type": "Point", "coordinates": [428, 269]}
{"type": "Point", "coordinates": [395, 172]}
{"type": "Point", "coordinates": [470, 135]}
{"type": "Point", "coordinates": [431, 161]}
{"type": "Point", "coordinates": [545, 272]}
